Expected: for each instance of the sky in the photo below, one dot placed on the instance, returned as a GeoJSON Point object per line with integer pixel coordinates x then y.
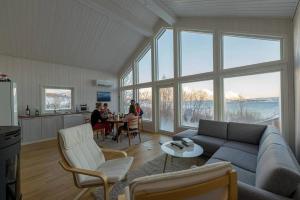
{"type": "Point", "coordinates": [197, 57]}
{"type": "Point", "coordinates": [165, 55]}
{"type": "Point", "coordinates": [253, 86]}
{"type": "Point", "coordinates": [241, 51]}
{"type": "Point", "coordinates": [145, 68]}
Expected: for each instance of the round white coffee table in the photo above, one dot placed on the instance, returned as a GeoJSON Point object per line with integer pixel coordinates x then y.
{"type": "Point", "coordinates": [192, 151]}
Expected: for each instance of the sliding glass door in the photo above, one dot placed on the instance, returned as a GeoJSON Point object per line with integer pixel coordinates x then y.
{"type": "Point", "coordinates": [166, 109]}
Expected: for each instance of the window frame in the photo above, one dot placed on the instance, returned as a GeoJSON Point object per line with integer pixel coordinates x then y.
{"type": "Point", "coordinates": [281, 97]}
{"type": "Point", "coordinates": [180, 98]}
{"type": "Point", "coordinates": [217, 74]}
{"type": "Point", "coordinates": [138, 98]}
{"type": "Point", "coordinates": [138, 59]}
{"type": "Point", "coordinates": [155, 41]}
{"type": "Point", "coordinates": [43, 98]}
{"type": "Point", "coordinates": [250, 36]}
{"type": "Point", "coordinates": [122, 98]}
{"type": "Point", "coordinates": [179, 54]}
{"type": "Point", "coordinates": [126, 73]}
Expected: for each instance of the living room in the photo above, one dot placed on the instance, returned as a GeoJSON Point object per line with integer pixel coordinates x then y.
{"type": "Point", "coordinates": [213, 86]}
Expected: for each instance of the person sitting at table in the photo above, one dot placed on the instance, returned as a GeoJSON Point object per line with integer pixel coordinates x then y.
{"type": "Point", "coordinates": [104, 114]}
{"type": "Point", "coordinates": [128, 117]}
{"type": "Point", "coordinates": [139, 111]}
{"type": "Point", "coordinates": [95, 117]}
{"type": "Point", "coordinates": [132, 102]}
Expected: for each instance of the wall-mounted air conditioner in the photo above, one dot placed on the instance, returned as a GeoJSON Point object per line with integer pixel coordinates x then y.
{"type": "Point", "coordinates": [104, 83]}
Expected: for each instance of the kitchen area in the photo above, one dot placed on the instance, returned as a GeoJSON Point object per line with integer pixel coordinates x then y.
{"type": "Point", "coordinates": [45, 126]}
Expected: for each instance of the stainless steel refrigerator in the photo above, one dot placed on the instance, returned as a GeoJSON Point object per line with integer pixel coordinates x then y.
{"type": "Point", "coordinates": [8, 103]}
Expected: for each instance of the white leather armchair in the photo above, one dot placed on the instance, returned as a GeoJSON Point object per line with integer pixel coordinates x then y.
{"type": "Point", "coordinates": [87, 162]}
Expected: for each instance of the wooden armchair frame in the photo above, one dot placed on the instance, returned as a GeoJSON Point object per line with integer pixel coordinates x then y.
{"type": "Point", "coordinates": [229, 180]}
{"type": "Point", "coordinates": [107, 186]}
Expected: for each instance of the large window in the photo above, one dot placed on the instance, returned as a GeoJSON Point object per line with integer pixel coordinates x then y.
{"type": "Point", "coordinates": [127, 78]}
{"type": "Point", "coordinates": [253, 99]}
{"type": "Point", "coordinates": [57, 99]}
{"type": "Point", "coordinates": [144, 68]}
{"type": "Point", "coordinates": [145, 101]}
{"type": "Point", "coordinates": [241, 51]}
{"type": "Point", "coordinates": [196, 53]}
{"type": "Point", "coordinates": [239, 81]}
{"type": "Point", "coordinates": [196, 102]}
{"type": "Point", "coordinates": [165, 60]}
{"type": "Point", "coordinates": [127, 96]}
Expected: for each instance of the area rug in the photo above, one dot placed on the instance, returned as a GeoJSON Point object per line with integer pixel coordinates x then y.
{"type": "Point", "coordinates": [152, 167]}
{"type": "Point", "coordinates": [111, 144]}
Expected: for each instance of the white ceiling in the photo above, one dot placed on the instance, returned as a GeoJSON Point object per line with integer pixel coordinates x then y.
{"type": "Point", "coordinates": [72, 32]}
{"type": "Point", "coordinates": [245, 8]}
{"type": "Point", "coordinates": [102, 34]}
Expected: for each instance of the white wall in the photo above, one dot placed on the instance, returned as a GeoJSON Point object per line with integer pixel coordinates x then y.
{"type": "Point", "coordinates": [31, 76]}
{"type": "Point", "coordinates": [297, 81]}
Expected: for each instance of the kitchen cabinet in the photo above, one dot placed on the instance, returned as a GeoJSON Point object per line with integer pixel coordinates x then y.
{"type": "Point", "coordinates": [51, 125]}
{"type": "Point", "coordinates": [45, 127]}
{"type": "Point", "coordinates": [31, 129]}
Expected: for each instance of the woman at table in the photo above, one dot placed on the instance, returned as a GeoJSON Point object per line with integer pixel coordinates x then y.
{"type": "Point", "coordinates": [128, 117]}
{"type": "Point", "coordinates": [104, 114]}
{"type": "Point", "coordinates": [95, 117]}
{"type": "Point", "coordinates": [139, 111]}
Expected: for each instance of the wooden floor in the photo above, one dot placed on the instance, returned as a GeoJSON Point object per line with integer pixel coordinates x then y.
{"type": "Point", "coordinates": [43, 178]}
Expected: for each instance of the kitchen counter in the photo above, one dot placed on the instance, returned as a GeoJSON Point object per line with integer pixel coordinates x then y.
{"type": "Point", "coordinates": [52, 114]}
{"type": "Point", "coordinates": [45, 126]}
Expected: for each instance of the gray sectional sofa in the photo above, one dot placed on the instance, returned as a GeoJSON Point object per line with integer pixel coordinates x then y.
{"type": "Point", "coordinates": [266, 166]}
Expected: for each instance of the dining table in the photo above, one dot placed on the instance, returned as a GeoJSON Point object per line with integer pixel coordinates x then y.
{"type": "Point", "coordinates": [116, 121]}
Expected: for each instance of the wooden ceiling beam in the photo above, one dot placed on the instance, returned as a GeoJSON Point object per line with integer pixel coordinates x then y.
{"type": "Point", "coordinates": [160, 10]}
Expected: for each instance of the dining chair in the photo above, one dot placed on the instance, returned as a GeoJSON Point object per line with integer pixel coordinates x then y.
{"type": "Point", "coordinates": [208, 182]}
{"type": "Point", "coordinates": [90, 165]}
{"type": "Point", "coordinates": [132, 130]}
{"type": "Point", "coordinates": [100, 131]}
{"type": "Point", "coordinates": [141, 125]}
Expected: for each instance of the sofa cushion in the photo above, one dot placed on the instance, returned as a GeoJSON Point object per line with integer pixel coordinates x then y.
{"type": "Point", "coordinates": [237, 157]}
{"type": "Point", "coordinates": [249, 148]}
{"type": "Point", "coordinates": [185, 134]}
{"type": "Point", "coordinates": [277, 171]}
{"type": "Point", "coordinates": [242, 174]}
{"type": "Point", "coordinates": [209, 144]}
{"type": "Point", "coordinates": [271, 140]}
{"type": "Point", "coordinates": [269, 130]}
{"type": "Point", "coordinates": [213, 128]}
{"type": "Point", "coordinates": [248, 133]}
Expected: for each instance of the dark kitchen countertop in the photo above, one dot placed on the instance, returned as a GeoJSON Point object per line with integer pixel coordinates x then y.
{"type": "Point", "coordinates": [52, 114]}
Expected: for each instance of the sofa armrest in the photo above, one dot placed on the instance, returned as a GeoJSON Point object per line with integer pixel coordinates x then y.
{"type": "Point", "coordinates": [185, 134]}
{"type": "Point", "coordinates": [249, 192]}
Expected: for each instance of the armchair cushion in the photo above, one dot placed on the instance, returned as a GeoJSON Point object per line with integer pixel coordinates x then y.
{"type": "Point", "coordinates": [115, 170]}
{"type": "Point", "coordinates": [81, 151]}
